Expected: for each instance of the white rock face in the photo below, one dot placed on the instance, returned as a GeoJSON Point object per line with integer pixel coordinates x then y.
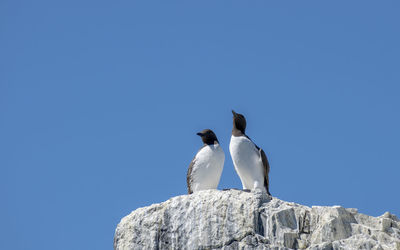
{"type": "Point", "coordinates": [234, 219]}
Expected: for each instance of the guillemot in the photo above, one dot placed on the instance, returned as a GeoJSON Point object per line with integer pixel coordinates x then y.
{"type": "Point", "coordinates": [250, 161]}
{"type": "Point", "coordinates": [206, 167]}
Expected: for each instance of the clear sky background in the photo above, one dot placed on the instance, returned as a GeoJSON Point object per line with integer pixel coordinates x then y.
{"type": "Point", "coordinates": [100, 102]}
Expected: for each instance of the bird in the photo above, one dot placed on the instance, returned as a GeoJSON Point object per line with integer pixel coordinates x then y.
{"type": "Point", "coordinates": [206, 167]}
{"type": "Point", "coordinates": [249, 160]}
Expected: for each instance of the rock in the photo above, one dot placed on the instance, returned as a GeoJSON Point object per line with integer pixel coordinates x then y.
{"type": "Point", "coordinates": [234, 219]}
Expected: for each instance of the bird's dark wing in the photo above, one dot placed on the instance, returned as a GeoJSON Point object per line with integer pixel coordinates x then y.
{"type": "Point", "coordinates": [189, 176]}
{"type": "Point", "coordinates": [265, 164]}
{"type": "Point", "coordinates": [266, 170]}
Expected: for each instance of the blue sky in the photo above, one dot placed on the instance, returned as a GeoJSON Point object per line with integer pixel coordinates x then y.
{"type": "Point", "coordinates": [100, 102]}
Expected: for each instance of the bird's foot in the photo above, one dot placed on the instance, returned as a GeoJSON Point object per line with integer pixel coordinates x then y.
{"type": "Point", "coordinates": [246, 190]}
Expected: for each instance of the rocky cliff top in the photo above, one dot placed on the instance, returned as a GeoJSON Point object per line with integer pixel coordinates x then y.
{"type": "Point", "coordinates": [234, 219]}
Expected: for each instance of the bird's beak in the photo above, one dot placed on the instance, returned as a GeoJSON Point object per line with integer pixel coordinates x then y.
{"type": "Point", "coordinates": [199, 134]}
{"type": "Point", "coordinates": [234, 113]}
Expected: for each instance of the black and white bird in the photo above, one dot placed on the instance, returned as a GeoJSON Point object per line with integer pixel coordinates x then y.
{"type": "Point", "coordinates": [250, 161]}
{"type": "Point", "coordinates": [206, 167]}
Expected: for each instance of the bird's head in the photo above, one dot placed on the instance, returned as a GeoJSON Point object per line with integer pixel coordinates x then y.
{"type": "Point", "coordinates": [208, 136]}
{"type": "Point", "coordinates": [239, 122]}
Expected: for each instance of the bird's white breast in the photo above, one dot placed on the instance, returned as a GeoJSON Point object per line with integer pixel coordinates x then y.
{"type": "Point", "coordinates": [247, 161]}
{"type": "Point", "coordinates": [207, 168]}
